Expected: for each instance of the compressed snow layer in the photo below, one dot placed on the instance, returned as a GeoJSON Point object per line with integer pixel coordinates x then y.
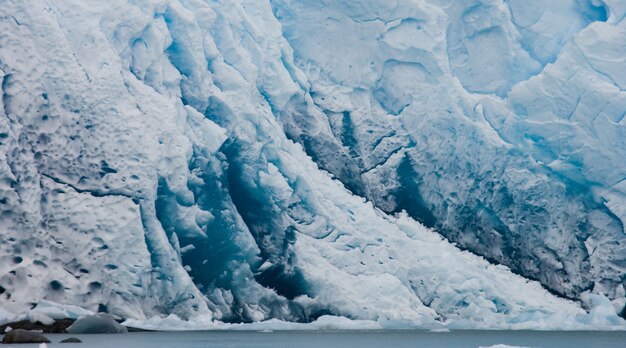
{"type": "Point", "coordinates": [169, 174]}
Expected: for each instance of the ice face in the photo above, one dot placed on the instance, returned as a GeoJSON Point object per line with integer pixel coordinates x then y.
{"type": "Point", "coordinates": [498, 123]}
{"type": "Point", "coordinates": [243, 161]}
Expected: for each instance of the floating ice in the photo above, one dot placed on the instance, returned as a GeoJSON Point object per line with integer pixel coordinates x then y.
{"type": "Point", "coordinates": [100, 323]}
{"type": "Point", "coordinates": [326, 322]}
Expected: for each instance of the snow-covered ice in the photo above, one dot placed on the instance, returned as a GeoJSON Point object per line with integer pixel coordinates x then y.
{"type": "Point", "coordinates": [194, 164]}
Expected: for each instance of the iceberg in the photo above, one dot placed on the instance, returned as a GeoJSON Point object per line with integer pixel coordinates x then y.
{"type": "Point", "coordinates": [386, 164]}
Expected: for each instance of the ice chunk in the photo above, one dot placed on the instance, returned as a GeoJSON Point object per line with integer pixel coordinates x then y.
{"type": "Point", "coordinates": [57, 311]}
{"type": "Point", "coordinates": [99, 323]}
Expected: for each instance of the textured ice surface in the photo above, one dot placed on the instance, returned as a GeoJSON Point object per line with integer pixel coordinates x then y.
{"type": "Point", "coordinates": [499, 123]}
{"type": "Point", "coordinates": [602, 318]}
{"type": "Point", "coordinates": [163, 158]}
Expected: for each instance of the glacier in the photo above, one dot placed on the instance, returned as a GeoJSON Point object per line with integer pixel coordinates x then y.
{"type": "Point", "coordinates": [400, 163]}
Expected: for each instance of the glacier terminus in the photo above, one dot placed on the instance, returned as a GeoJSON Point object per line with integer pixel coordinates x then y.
{"type": "Point", "coordinates": [395, 164]}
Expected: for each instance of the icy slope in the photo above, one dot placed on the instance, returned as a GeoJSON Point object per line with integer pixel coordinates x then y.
{"type": "Point", "coordinates": [148, 167]}
{"type": "Point", "coordinates": [499, 123]}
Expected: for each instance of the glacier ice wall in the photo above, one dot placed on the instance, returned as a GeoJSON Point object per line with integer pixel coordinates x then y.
{"type": "Point", "coordinates": [163, 157]}
{"type": "Point", "coordinates": [499, 123]}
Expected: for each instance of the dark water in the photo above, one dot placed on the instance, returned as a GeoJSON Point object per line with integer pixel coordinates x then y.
{"type": "Point", "coordinates": [345, 339]}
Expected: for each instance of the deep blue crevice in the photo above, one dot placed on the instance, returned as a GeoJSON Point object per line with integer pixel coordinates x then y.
{"type": "Point", "coordinates": [408, 195]}
{"type": "Point", "coordinates": [213, 255]}
{"type": "Point", "coordinates": [348, 136]}
{"type": "Point", "coordinates": [337, 156]}
{"type": "Point", "coordinates": [271, 230]}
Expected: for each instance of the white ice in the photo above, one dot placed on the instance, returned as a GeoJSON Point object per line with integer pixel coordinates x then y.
{"type": "Point", "coordinates": [177, 139]}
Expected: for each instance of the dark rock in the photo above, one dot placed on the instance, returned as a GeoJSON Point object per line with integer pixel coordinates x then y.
{"type": "Point", "coordinates": [71, 340]}
{"type": "Point", "coordinates": [24, 336]}
{"type": "Point", "coordinates": [58, 326]}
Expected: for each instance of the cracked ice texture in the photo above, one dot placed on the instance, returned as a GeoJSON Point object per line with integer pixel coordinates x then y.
{"type": "Point", "coordinates": [155, 158]}
{"type": "Point", "coordinates": [499, 123]}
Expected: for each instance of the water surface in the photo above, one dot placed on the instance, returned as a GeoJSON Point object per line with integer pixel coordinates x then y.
{"type": "Point", "coordinates": [345, 339]}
